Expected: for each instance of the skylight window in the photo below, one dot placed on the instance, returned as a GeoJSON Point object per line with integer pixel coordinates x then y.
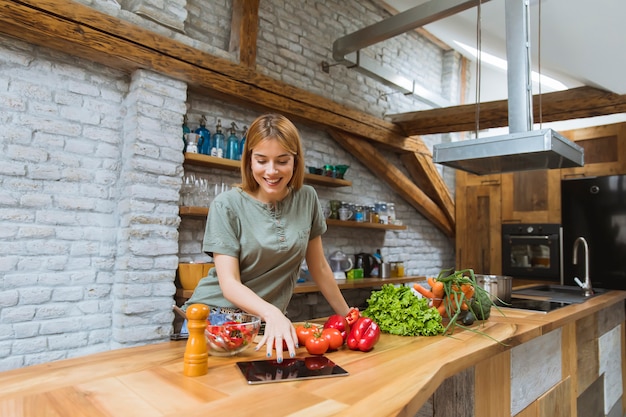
{"type": "Point", "coordinates": [500, 63]}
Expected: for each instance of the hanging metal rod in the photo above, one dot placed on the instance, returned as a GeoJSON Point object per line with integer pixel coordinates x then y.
{"type": "Point", "coordinates": [346, 50]}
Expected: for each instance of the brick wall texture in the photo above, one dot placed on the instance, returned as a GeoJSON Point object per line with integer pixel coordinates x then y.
{"type": "Point", "coordinates": [91, 167]}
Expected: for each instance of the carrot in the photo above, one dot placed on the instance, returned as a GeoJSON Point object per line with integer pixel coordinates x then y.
{"type": "Point", "coordinates": [431, 281]}
{"type": "Point", "coordinates": [442, 310]}
{"type": "Point", "coordinates": [438, 291]}
{"type": "Point", "coordinates": [423, 291]}
{"type": "Point", "coordinates": [468, 290]}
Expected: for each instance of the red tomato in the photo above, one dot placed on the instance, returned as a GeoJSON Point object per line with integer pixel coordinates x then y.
{"type": "Point", "coordinates": [316, 344]}
{"type": "Point", "coordinates": [304, 331]}
{"type": "Point", "coordinates": [334, 337]}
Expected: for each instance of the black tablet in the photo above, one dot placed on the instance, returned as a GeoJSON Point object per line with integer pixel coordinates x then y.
{"type": "Point", "coordinates": [264, 371]}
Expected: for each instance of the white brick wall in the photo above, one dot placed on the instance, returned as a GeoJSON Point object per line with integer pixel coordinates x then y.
{"type": "Point", "coordinates": [88, 205]}
{"type": "Point", "coordinates": [91, 166]}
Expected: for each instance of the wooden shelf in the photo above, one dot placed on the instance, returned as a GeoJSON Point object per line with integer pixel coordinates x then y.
{"type": "Point", "coordinates": [187, 211]}
{"type": "Point", "coordinates": [348, 284]}
{"type": "Point", "coordinates": [198, 159]}
{"type": "Point", "coordinates": [344, 284]}
{"type": "Point", "coordinates": [364, 225]}
{"type": "Point", "coordinates": [326, 181]}
{"type": "Point", "coordinates": [193, 211]}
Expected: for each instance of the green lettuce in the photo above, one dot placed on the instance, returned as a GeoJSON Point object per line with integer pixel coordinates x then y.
{"type": "Point", "coordinates": [399, 311]}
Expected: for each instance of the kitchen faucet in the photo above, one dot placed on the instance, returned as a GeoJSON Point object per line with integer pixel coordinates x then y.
{"type": "Point", "coordinates": [586, 286]}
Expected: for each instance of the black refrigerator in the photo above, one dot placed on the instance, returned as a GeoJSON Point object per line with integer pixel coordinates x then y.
{"type": "Point", "coordinates": [595, 208]}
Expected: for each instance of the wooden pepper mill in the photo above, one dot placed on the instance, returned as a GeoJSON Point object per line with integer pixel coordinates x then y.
{"type": "Point", "coordinates": [196, 353]}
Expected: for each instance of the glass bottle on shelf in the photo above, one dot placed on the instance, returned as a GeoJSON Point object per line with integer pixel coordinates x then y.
{"type": "Point", "coordinates": [243, 141]}
{"type": "Point", "coordinates": [185, 131]}
{"type": "Point", "coordinates": [204, 137]}
{"type": "Point", "coordinates": [232, 148]}
{"type": "Point", "coordinates": [219, 141]}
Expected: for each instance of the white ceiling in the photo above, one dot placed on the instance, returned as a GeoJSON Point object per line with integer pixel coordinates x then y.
{"type": "Point", "coordinates": [582, 42]}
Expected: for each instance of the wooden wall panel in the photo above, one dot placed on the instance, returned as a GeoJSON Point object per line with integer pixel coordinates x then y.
{"type": "Point", "coordinates": [493, 380]}
{"type": "Point", "coordinates": [555, 403]}
{"type": "Point", "coordinates": [569, 355]}
{"type": "Point", "coordinates": [455, 396]}
{"type": "Point", "coordinates": [587, 363]}
{"type": "Point", "coordinates": [610, 317]}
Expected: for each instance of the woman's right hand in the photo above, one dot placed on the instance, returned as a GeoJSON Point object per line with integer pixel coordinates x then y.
{"type": "Point", "coordinates": [279, 334]}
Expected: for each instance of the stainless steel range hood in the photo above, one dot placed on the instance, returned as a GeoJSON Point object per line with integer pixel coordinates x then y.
{"type": "Point", "coordinates": [537, 149]}
{"type": "Point", "coordinates": [522, 149]}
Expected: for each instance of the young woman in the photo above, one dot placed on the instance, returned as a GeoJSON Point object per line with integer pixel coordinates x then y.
{"type": "Point", "coordinates": [259, 233]}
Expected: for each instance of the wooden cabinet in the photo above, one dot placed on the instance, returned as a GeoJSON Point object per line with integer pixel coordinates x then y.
{"type": "Point", "coordinates": [478, 214]}
{"type": "Point", "coordinates": [483, 203]}
{"type": "Point", "coordinates": [535, 196]}
{"type": "Point", "coordinates": [605, 150]}
{"type": "Point", "coordinates": [531, 197]}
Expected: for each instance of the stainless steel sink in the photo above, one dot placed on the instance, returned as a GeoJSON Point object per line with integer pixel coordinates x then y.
{"type": "Point", "coordinates": [568, 294]}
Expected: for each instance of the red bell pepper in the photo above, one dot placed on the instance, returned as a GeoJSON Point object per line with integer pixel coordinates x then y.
{"type": "Point", "coordinates": [340, 323]}
{"type": "Point", "coordinates": [364, 335]}
{"type": "Point", "coordinates": [353, 315]}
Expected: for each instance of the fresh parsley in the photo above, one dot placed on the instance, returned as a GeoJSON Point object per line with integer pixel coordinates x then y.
{"type": "Point", "coordinates": [399, 311]}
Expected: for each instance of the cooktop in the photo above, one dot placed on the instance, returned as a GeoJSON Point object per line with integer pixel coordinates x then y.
{"type": "Point", "coordinates": [535, 305]}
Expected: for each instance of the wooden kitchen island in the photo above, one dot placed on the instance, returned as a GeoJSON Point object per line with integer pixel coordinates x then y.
{"type": "Point", "coordinates": [402, 376]}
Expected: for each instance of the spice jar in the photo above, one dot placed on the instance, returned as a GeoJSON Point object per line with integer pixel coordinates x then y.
{"type": "Point", "coordinates": [399, 269]}
{"type": "Point", "coordinates": [391, 213]}
{"type": "Point", "coordinates": [381, 209]}
{"type": "Point", "coordinates": [359, 214]}
{"type": "Point", "coordinates": [373, 215]}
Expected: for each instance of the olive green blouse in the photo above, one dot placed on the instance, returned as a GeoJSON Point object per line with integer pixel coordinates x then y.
{"type": "Point", "coordinates": [270, 242]}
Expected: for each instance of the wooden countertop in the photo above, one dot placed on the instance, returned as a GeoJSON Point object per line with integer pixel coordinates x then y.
{"type": "Point", "coordinates": [395, 378]}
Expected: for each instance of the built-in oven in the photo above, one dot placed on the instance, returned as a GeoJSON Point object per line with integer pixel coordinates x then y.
{"type": "Point", "coordinates": [532, 251]}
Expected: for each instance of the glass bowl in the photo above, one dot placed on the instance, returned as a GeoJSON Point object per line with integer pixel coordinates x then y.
{"type": "Point", "coordinates": [316, 171]}
{"type": "Point", "coordinates": [228, 334]}
{"type": "Point", "coordinates": [341, 170]}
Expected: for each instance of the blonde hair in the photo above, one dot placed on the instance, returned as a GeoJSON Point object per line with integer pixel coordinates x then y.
{"type": "Point", "coordinates": [272, 127]}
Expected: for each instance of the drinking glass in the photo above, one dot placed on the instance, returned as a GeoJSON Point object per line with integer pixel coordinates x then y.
{"type": "Point", "coordinates": [187, 188]}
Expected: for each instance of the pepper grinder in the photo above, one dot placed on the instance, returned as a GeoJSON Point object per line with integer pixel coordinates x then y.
{"type": "Point", "coordinates": [195, 362]}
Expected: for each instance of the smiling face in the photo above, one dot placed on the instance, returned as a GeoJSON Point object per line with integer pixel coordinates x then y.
{"type": "Point", "coordinates": [272, 168]}
{"type": "Point", "coordinates": [271, 161]}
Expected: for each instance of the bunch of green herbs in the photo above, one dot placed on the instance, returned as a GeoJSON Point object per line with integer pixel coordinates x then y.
{"type": "Point", "coordinates": [399, 311]}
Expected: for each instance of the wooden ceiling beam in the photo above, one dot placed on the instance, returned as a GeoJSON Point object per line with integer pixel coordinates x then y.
{"type": "Point", "coordinates": [576, 103]}
{"type": "Point", "coordinates": [74, 28]}
{"type": "Point", "coordinates": [425, 175]}
{"type": "Point", "coordinates": [400, 183]}
{"type": "Point", "coordinates": [244, 30]}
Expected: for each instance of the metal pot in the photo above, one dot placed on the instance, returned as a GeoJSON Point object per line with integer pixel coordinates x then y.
{"type": "Point", "coordinates": [498, 286]}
